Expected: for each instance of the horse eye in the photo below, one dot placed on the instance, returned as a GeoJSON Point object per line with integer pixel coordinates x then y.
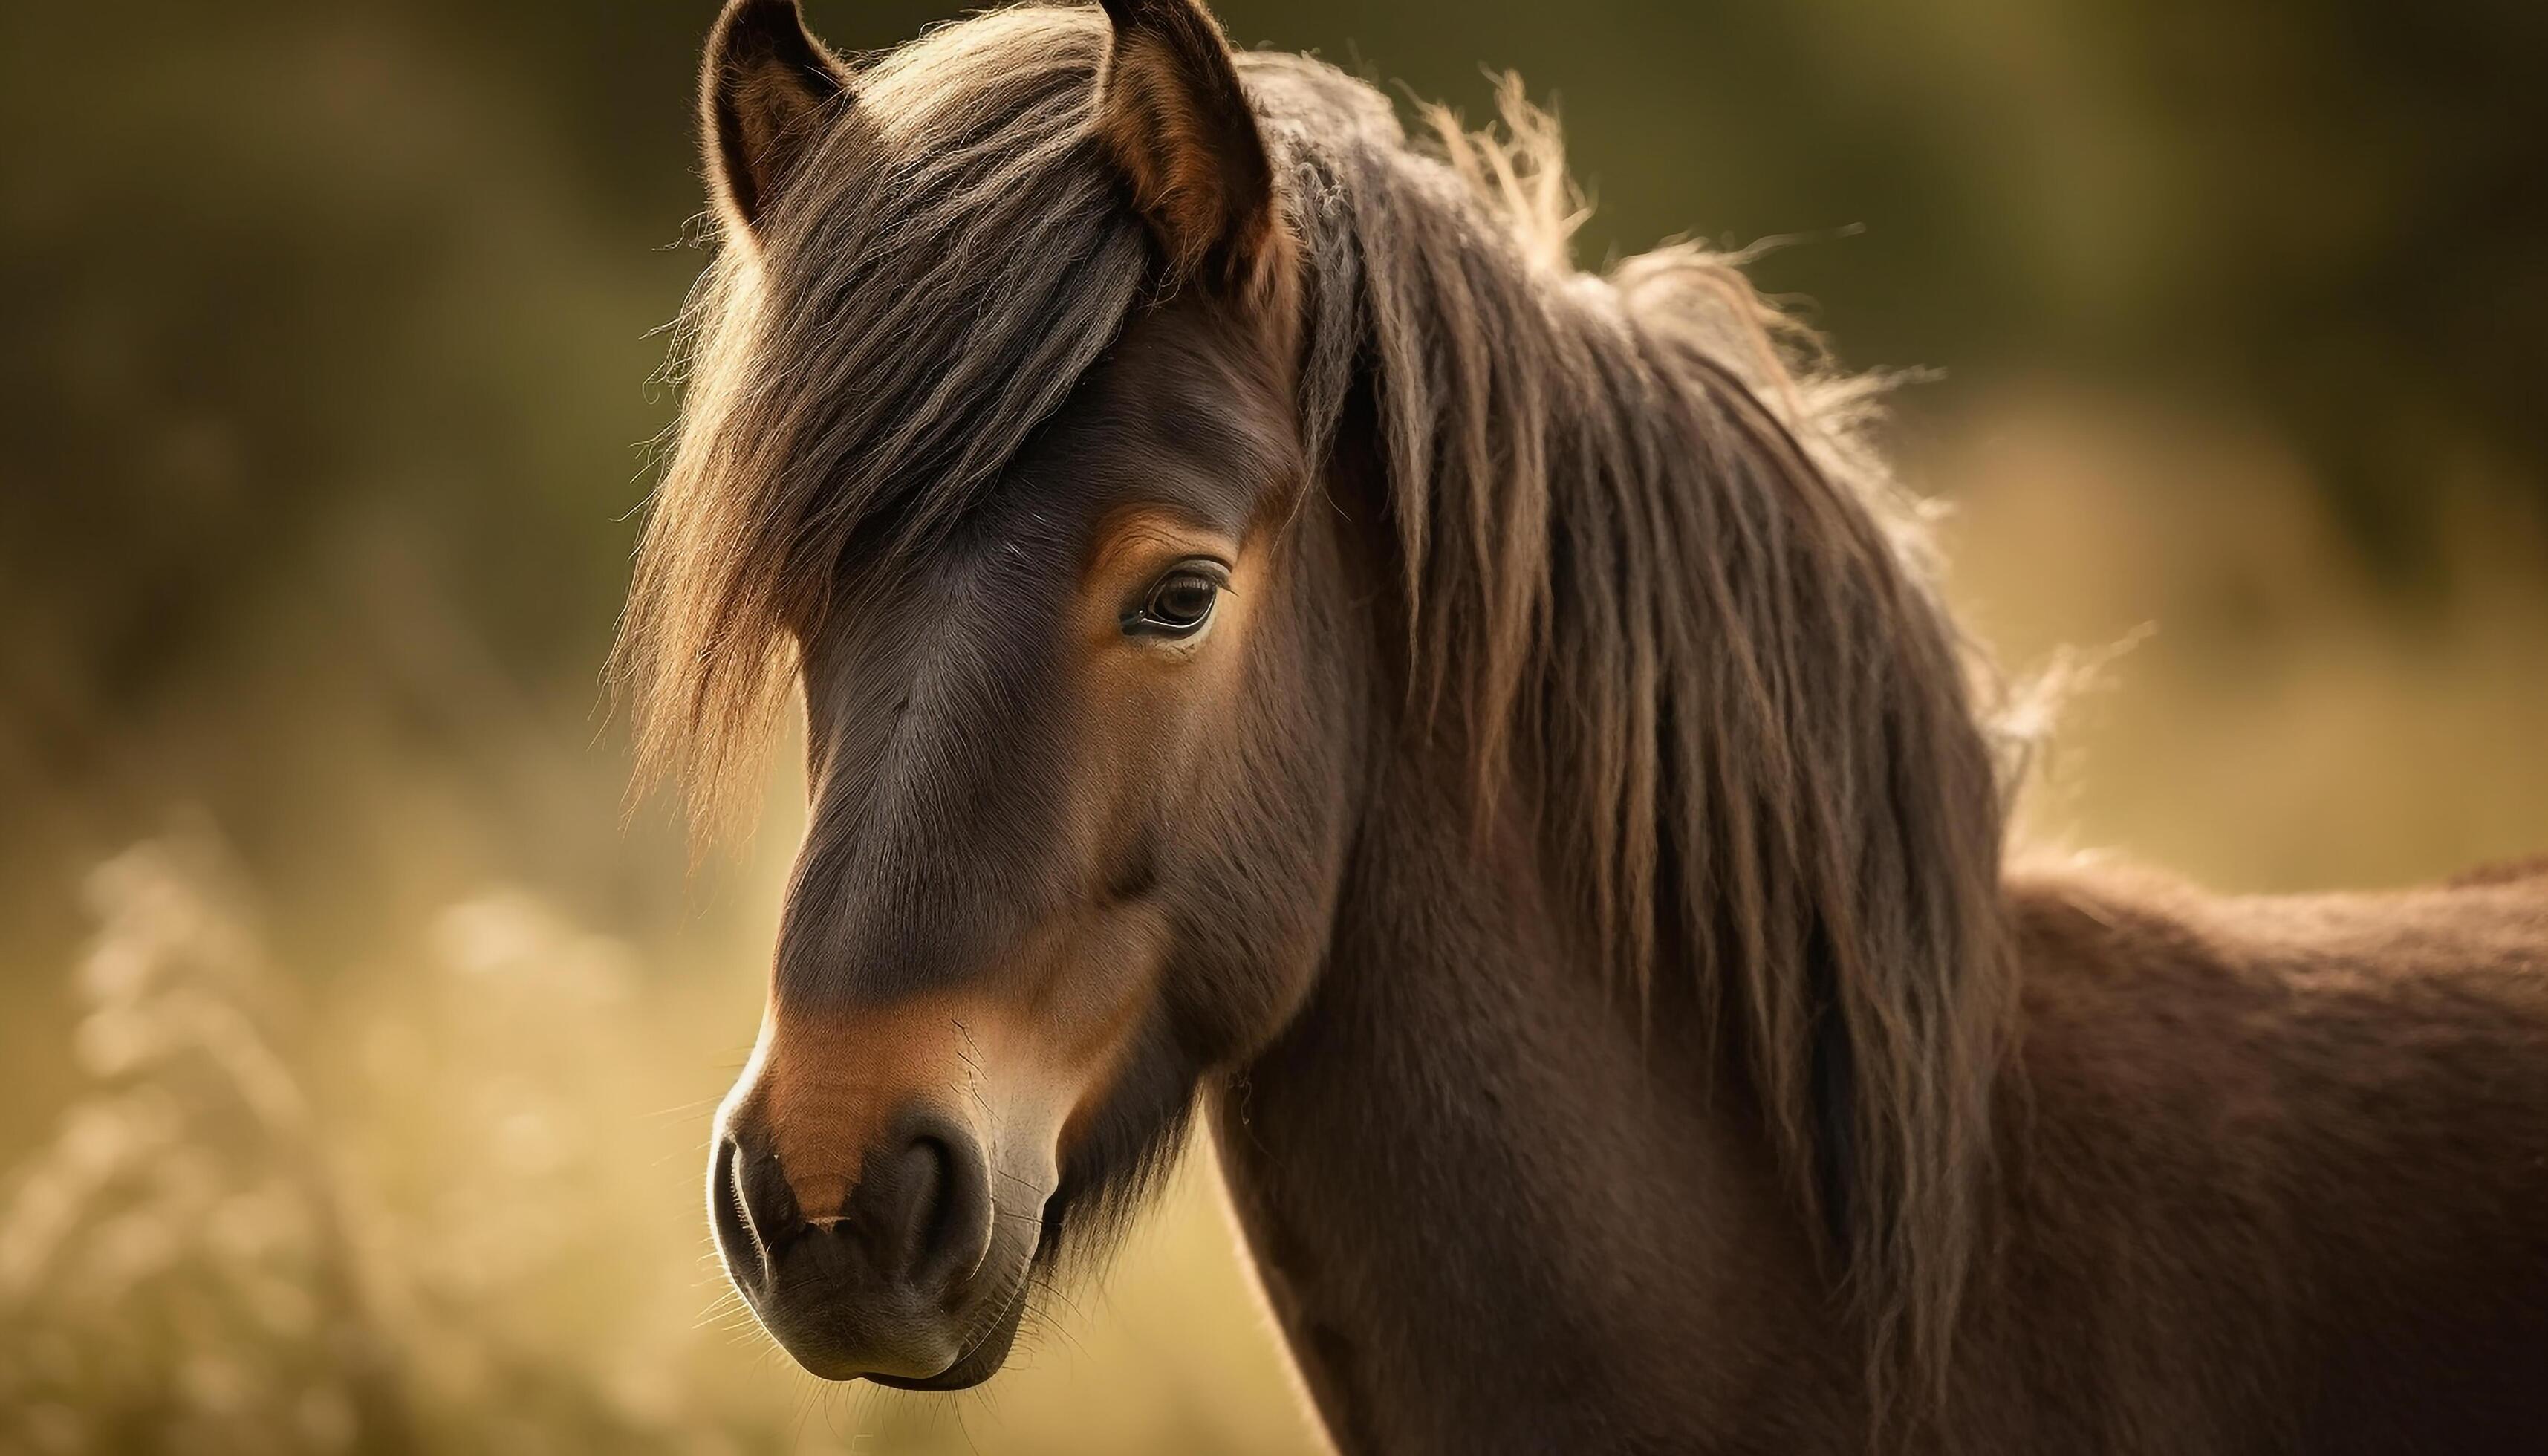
{"type": "Point", "coordinates": [1179, 604]}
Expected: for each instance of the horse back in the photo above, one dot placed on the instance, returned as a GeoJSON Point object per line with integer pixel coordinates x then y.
{"type": "Point", "coordinates": [2277, 1168]}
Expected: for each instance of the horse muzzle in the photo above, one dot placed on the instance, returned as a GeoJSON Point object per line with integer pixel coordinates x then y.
{"type": "Point", "coordinates": [898, 1272]}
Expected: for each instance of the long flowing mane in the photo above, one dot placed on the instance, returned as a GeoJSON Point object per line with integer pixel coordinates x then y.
{"type": "Point", "coordinates": [1655, 587]}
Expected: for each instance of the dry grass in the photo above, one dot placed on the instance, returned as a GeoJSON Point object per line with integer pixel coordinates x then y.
{"type": "Point", "coordinates": [195, 1262]}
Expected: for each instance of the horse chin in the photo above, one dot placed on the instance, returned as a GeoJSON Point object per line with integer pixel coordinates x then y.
{"type": "Point", "coordinates": [989, 1352]}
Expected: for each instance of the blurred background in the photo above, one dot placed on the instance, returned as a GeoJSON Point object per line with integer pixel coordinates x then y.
{"type": "Point", "coordinates": [355, 1062]}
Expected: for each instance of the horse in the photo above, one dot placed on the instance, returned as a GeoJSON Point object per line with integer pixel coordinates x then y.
{"type": "Point", "coordinates": [1279, 644]}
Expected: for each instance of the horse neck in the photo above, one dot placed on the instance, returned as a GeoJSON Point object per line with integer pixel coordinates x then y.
{"type": "Point", "coordinates": [1489, 1210]}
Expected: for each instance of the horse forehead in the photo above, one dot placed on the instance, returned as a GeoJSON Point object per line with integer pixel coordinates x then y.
{"type": "Point", "coordinates": [945, 646]}
{"type": "Point", "coordinates": [1181, 413]}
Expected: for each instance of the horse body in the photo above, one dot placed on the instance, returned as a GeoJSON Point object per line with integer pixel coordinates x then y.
{"type": "Point", "coordinates": [2273, 1168]}
{"type": "Point", "coordinates": [2271, 1177]}
{"type": "Point", "coordinates": [1273, 636]}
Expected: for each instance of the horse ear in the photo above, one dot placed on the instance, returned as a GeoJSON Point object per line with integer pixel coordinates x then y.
{"type": "Point", "coordinates": [1172, 113]}
{"type": "Point", "coordinates": [762, 93]}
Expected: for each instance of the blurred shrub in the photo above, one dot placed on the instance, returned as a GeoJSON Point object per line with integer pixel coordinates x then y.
{"type": "Point", "coordinates": [194, 1264]}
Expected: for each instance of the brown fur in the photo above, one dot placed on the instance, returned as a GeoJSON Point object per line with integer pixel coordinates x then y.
{"type": "Point", "coordinates": [2281, 1163]}
{"type": "Point", "coordinates": [1572, 855]}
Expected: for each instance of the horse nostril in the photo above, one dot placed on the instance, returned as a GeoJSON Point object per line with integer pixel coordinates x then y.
{"type": "Point", "coordinates": [745, 1258]}
{"type": "Point", "coordinates": [960, 1227]}
{"type": "Point", "coordinates": [911, 1191]}
{"type": "Point", "coordinates": [927, 1206]}
{"type": "Point", "coordinates": [752, 1209]}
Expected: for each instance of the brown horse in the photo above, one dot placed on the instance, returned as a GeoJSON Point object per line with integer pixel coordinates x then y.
{"type": "Point", "coordinates": [1273, 636]}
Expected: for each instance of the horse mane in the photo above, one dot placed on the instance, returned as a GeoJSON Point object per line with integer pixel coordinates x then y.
{"type": "Point", "coordinates": [1655, 577]}
{"type": "Point", "coordinates": [947, 261]}
{"type": "Point", "coordinates": [1657, 573]}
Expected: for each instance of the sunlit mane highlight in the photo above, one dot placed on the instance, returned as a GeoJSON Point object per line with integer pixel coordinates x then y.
{"type": "Point", "coordinates": [1655, 585]}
